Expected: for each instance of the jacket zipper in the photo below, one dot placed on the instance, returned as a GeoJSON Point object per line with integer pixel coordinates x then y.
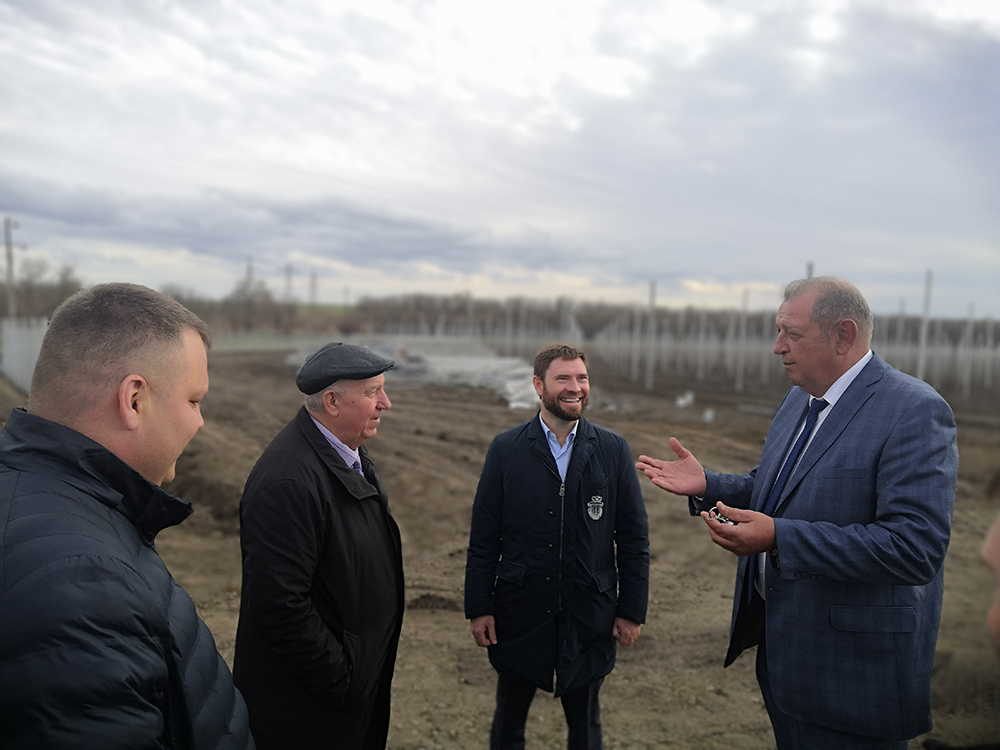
{"type": "Point", "coordinates": [562, 531]}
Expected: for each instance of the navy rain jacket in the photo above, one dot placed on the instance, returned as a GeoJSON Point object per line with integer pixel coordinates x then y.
{"type": "Point", "coordinates": [554, 562]}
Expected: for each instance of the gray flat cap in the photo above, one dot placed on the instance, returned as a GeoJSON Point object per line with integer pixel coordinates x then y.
{"type": "Point", "coordinates": [339, 361]}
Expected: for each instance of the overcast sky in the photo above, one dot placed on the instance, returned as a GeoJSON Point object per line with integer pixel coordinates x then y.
{"type": "Point", "coordinates": [542, 148]}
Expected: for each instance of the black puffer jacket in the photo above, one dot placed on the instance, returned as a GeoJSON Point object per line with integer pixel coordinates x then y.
{"type": "Point", "coordinates": [99, 646]}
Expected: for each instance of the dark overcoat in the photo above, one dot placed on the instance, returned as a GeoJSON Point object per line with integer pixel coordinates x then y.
{"type": "Point", "coordinates": [322, 601]}
{"type": "Point", "coordinates": [555, 562]}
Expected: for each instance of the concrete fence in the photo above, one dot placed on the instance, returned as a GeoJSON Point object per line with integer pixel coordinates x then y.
{"type": "Point", "coordinates": [21, 342]}
{"type": "Point", "coordinates": [960, 357]}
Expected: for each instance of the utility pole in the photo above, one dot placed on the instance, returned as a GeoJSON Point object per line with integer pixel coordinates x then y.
{"type": "Point", "coordinates": [9, 225]}
{"type": "Point", "coordinates": [741, 347]}
{"type": "Point", "coordinates": [652, 355]}
{"type": "Point", "coordinates": [925, 320]}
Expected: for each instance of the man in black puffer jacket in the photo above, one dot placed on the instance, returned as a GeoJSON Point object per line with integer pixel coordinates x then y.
{"type": "Point", "coordinates": [99, 646]}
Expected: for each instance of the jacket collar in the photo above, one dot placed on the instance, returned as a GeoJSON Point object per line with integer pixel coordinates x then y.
{"type": "Point", "coordinates": [584, 430]}
{"type": "Point", "coordinates": [31, 442]}
{"type": "Point", "coordinates": [858, 392]}
{"type": "Point", "coordinates": [358, 486]}
{"type": "Point", "coordinates": [583, 446]}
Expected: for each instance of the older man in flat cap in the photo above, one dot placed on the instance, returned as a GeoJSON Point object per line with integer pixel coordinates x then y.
{"type": "Point", "coordinates": [322, 598]}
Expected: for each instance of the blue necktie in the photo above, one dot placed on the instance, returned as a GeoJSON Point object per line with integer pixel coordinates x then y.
{"type": "Point", "coordinates": [357, 467]}
{"type": "Point", "coordinates": [815, 407]}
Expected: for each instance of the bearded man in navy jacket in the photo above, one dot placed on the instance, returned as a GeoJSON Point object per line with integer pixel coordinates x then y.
{"type": "Point", "coordinates": [840, 577]}
{"type": "Point", "coordinates": [558, 561]}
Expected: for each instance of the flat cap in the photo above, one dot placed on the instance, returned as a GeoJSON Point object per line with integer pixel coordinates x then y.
{"type": "Point", "coordinates": [338, 361]}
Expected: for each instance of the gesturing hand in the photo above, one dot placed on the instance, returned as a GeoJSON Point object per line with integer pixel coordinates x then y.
{"type": "Point", "coordinates": [685, 476]}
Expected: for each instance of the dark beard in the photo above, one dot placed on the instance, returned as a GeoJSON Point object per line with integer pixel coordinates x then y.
{"type": "Point", "coordinates": [554, 408]}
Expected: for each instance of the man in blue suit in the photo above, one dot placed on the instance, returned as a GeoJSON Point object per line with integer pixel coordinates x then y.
{"type": "Point", "coordinates": [839, 581]}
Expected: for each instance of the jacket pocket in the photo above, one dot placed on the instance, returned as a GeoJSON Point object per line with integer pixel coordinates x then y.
{"type": "Point", "coordinates": [874, 619]}
{"type": "Point", "coordinates": [596, 480]}
{"type": "Point", "coordinates": [510, 571]}
{"type": "Point", "coordinates": [356, 686]}
{"type": "Point", "coordinates": [606, 579]}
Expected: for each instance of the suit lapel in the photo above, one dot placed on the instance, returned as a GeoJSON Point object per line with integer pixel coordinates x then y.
{"type": "Point", "coordinates": [354, 483]}
{"type": "Point", "coordinates": [841, 415]}
{"type": "Point", "coordinates": [779, 441]}
{"type": "Point", "coordinates": [583, 446]}
{"type": "Point", "coordinates": [539, 444]}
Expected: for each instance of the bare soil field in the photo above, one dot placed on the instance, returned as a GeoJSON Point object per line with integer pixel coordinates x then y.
{"type": "Point", "coordinates": [667, 691]}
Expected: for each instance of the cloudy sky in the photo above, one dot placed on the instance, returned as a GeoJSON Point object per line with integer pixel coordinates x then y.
{"type": "Point", "coordinates": [542, 148]}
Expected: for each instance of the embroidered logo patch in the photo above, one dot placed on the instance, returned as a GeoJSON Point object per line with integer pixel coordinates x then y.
{"type": "Point", "coordinates": [595, 508]}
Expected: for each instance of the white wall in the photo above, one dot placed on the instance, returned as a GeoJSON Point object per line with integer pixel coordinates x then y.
{"type": "Point", "coordinates": [21, 341]}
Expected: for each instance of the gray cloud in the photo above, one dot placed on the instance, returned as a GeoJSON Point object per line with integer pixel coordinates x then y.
{"type": "Point", "coordinates": [732, 156]}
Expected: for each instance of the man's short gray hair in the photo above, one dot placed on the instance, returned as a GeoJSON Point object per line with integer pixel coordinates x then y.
{"type": "Point", "coordinates": [836, 300]}
{"type": "Point", "coordinates": [314, 401]}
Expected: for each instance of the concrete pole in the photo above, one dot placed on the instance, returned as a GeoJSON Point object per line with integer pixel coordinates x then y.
{"type": "Point", "coordinates": [702, 352]}
{"type": "Point", "coordinates": [966, 349]}
{"type": "Point", "coordinates": [652, 355]}
{"type": "Point", "coordinates": [924, 323]}
{"type": "Point", "coordinates": [741, 344]}
{"type": "Point", "coordinates": [988, 374]}
{"type": "Point", "coordinates": [767, 346]}
{"type": "Point", "coordinates": [636, 342]}
{"type": "Point", "coordinates": [9, 225]}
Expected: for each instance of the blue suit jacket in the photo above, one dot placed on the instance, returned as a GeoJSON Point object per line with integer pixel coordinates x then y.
{"type": "Point", "coordinates": [854, 588]}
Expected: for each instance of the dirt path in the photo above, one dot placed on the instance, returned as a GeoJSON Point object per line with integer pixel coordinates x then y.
{"type": "Point", "coordinates": [669, 690]}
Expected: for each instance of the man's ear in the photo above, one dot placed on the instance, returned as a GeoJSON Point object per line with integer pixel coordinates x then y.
{"type": "Point", "coordinates": [539, 385]}
{"type": "Point", "coordinates": [133, 395]}
{"type": "Point", "coordinates": [331, 403]}
{"type": "Point", "coordinates": [847, 335]}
